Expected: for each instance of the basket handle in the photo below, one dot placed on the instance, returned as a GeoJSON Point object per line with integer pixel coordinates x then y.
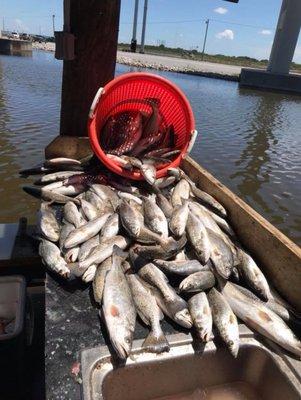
{"type": "Point", "coordinates": [95, 101]}
{"type": "Point", "coordinates": [194, 134]}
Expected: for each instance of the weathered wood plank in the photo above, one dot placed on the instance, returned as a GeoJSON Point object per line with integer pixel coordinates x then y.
{"type": "Point", "coordinates": [95, 25]}
{"type": "Point", "coordinates": [68, 146]}
{"type": "Point", "coordinates": [277, 255]}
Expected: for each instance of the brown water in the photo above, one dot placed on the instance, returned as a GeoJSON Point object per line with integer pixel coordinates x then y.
{"type": "Point", "coordinates": [250, 140]}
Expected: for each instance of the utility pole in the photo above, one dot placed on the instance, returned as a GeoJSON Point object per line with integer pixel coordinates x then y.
{"type": "Point", "coordinates": [205, 38]}
{"type": "Point", "coordinates": [134, 36]}
{"type": "Point", "coordinates": [53, 25]}
{"type": "Point", "coordinates": [143, 26]}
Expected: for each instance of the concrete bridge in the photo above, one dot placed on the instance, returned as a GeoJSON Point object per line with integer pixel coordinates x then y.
{"type": "Point", "coordinates": [15, 46]}
{"type": "Point", "coordinates": [277, 75]}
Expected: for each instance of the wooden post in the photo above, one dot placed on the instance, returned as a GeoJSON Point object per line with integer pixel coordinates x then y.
{"type": "Point", "coordinates": [95, 25]}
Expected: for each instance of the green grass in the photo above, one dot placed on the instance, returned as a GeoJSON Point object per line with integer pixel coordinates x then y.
{"type": "Point", "coordinates": [216, 58]}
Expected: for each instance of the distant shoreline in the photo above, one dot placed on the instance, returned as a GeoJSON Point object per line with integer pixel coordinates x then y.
{"type": "Point", "coordinates": [172, 64]}
{"type": "Point", "coordinates": [166, 63]}
{"type": "Point", "coordinates": [46, 46]}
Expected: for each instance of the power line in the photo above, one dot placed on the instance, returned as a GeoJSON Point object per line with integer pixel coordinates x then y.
{"type": "Point", "coordinates": [238, 23]}
{"type": "Point", "coordinates": [199, 20]}
{"type": "Point", "coordinates": [170, 22]}
{"type": "Point", "coordinates": [167, 22]}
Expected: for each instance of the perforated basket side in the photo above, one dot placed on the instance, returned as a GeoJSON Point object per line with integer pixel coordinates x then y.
{"type": "Point", "coordinates": [120, 94]}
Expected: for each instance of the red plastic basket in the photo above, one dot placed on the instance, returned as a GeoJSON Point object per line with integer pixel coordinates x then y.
{"type": "Point", "coordinates": [174, 109]}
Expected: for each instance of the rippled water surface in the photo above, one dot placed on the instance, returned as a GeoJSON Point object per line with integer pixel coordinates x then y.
{"type": "Point", "coordinates": [250, 140]}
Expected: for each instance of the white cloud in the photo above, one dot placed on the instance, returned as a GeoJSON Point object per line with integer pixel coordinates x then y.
{"type": "Point", "coordinates": [266, 32]}
{"type": "Point", "coordinates": [220, 10]}
{"type": "Point", "coordinates": [226, 34]}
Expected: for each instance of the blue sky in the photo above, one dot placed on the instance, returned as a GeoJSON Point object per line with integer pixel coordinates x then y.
{"type": "Point", "coordinates": [246, 28]}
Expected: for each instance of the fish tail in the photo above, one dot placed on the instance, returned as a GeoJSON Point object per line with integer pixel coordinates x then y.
{"type": "Point", "coordinates": [156, 343]}
{"type": "Point", "coordinates": [118, 252]}
{"type": "Point", "coordinates": [33, 191]}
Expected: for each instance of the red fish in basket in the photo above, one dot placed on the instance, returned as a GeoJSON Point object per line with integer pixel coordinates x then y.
{"type": "Point", "coordinates": [122, 132]}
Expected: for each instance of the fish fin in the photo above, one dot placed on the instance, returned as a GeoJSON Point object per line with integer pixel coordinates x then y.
{"type": "Point", "coordinates": [156, 344]}
{"type": "Point", "coordinates": [142, 317]}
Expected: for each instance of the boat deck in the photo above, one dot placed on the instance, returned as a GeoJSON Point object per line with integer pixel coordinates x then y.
{"type": "Point", "coordinates": [72, 324]}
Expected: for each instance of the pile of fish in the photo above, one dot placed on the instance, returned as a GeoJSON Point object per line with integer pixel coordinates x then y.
{"type": "Point", "coordinates": [140, 140]}
{"type": "Point", "coordinates": [154, 249]}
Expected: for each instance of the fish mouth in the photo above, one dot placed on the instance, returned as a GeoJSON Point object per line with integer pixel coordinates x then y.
{"type": "Point", "coordinates": [183, 288]}
{"type": "Point", "coordinates": [71, 257]}
{"type": "Point", "coordinates": [205, 335]}
{"type": "Point", "coordinates": [184, 319]}
{"type": "Point", "coordinates": [65, 273]}
{"type": "Point", "coordinates": [122, 349]}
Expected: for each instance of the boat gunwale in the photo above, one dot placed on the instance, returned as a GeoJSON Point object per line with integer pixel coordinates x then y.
{"type": "Point", "coordinates": [277, 255]}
